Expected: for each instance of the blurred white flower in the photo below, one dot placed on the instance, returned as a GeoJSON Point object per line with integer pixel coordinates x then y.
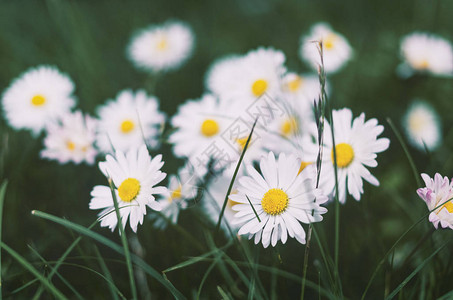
{"type": "Point", "coordinates": [422, 126]}
{"type": "Point", "coordinates": [301, 90]}
{"type": "Point", "coordinates": [129, 121]}
{"type": "Point", "coordinates": [424, 52]}
{"type": "Point", "coordinates": [356, 145]}
{"type": "Point", "coordinates": [437, 191]}
{"type": "Point", "coordinates": [135, 177]}
{"type": "Point", "coordinates": [181, 188]}
{"type": "Point", "coordinates": [213, 199]}
{"type": "Point", "coordinates": [246, 78]}
{"type": "Point", "coordinates": [336, 49]}
{"type": "Point", "coordinates": [199, 124]}
{"type": "Point", "coordinates": [162, 47]}
{"type": "Point", "coordinates": [39, 96]}
{"type": "Point", "coordinates": [71, 139]}
{"type": "Point", "coordinates": [280, 198]}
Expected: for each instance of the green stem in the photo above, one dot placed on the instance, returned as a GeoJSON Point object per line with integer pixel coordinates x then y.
{"type": "Point", "coordinates": [127, 254]}
{"type": "Point", "coordinates": [307, 250]}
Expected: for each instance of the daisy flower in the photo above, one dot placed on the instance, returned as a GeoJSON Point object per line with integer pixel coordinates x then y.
{"type": "Point", "coordinates": [181, 188]}
{"type": "Point", "coordinates": [437, 191]}
{"type": "Point", "coordinates": [129, 121]}
{"type": "Point", "coordinates": [135, 176]}
{"type": "Point", "coordinates": [248, 77]}
{"type": "Point", "coordinates": [356, 145]}
{"type": "Point", "coordinates": [37, 97]}
{"type": "Point", "coordinates": [199, 125]}
{"type": "Point", "coordinates": [281, 197]}
{"type": "Point", "coordinates": [422, 126]}
{"type": "Point", "coordinates": [424, 52]}
{"type": "Point", "coordinates": [161, 47]}
{"type": "Point", "coordinates": [301, 90]}
{"type": "Point", "coordinates": [336, 49]}
{"type": "Point", "coordinates": [71, 139]}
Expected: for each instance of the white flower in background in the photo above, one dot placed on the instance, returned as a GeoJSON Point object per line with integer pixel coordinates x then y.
{"type": "Point", "coordinates": [424, 52]}
{"type": "Point", "coordinates": [129, 121]}
{"type": "Point", "coordinates": [71, 139]}
{"type": "Point", "coordinates": [438, 191]}
{"type": "Point", "coordinates": [281, 197]}
{"type": "Point", "coordinates": [422, 126]}
{"type": "Point", "coordinates": [213, 199]}
{"type": "Point", "coordinates": [181, 188]}
{"type": "Point", "coordinates": [301, 90]}
{"type": "Point", "coordinates": [248, 77]}
{"type": "Point", "coordinates": [336, 49]}
{"type": "Point", "coordinates": [162, 47]}
{"type": "Point", "coordinates": [356, 145]}
{"type": "Point", "coordinates": [39, 96]}
{"type": "Point", "coordinates": [199, 123]}
{"type": "Point", "coordinates": [135, 177]}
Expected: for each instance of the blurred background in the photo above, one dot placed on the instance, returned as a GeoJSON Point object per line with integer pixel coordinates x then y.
{"type": "Point", "coordinates": [88, 39]}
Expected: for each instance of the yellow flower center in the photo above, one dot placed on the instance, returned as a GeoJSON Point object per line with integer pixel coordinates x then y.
{"type": "Point", "coordinates": [329, 41]}
{"type": "Point", "coordinates": [242, 142]}
{"type": "Point", "coordinates": [448, 206]}
{"type": "Point", "coordinates": [303, 165]}
{"type": "Point", "coordinates": [129, 189]}
{"type": "Point", "coordinates": [274, 202]}
{"type": "Point", "coordinates": [289, 127]}
{"type": "Point", "coordinates": [176, 194]}
{"type": "Point", "coordinates": [127, 126]}
{"type": "Point", "coordinates": [416, 121]}
{"type": "Point", "coordinates": [345, 155]}
{"type": "Point", "coordinates": [295, 84]}
{"type": "Point", "coordinates": [70, 145]}
{"type": "Point", "coordinates": [259, 87]}
{"type": "Point", "coordinates": [421, 65]}
{"type": "Point", "coordinates": [38, 100]}
{"type": "Point", "coordinates": [162, 44]}
{"type": "Point", "coordinates": [209, 128]}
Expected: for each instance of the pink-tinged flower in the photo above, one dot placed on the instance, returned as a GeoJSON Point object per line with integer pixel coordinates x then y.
{"type": "Point", "coordinates": [438, 191]}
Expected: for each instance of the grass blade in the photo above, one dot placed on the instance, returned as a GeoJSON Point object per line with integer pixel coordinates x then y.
{"type": "Point", "coordinates": [234, 178]}
{"type": "Point", "coordinates": [2, 201]}
{"type": "Point", "coordinates": [127, 254]}
{"type": "Point", "coordinates": [50, 287]}
{"type": "Point", "coordinates": [406, 151]}
{"type": "Point", "coordinates": [111, 284]}
{"type": "Point", "coordinates": [112, 245]}
{"type": "Point", "coordinates": [419, 267]}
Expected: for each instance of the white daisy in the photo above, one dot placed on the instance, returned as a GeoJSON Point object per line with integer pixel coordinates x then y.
{"type": "Point", "coordinates": [281, 197]}
{"type": "Point", "coordinates": [162, 47]}
{"type": "Point", "coordinates": [422, 126]}
{"type": "Point", "coordinates": [248, 77]}
{"type": "Point", "coordinates": [135, 177]}
{"type": "Point", "coordinates": [37, 97]}
{"type": "Point", "coordinates": [71, 139]}
{"type": "Point", "coordinates": [181, 188]}
{"type": "Point", "coordinates": [129, 121]}
{"type": "Point", "coordinates": [424, 52]}
{"type": "Point", "coordinates": [437, 191]}
{"type": "Point", "coordinates": [336, 49]}
{"type": "Point", "coordinates": [301, 90]}
{"type": "Point", "coordinates": [199, 125]}
{"type": "Point", "coordinates": [356, 145]}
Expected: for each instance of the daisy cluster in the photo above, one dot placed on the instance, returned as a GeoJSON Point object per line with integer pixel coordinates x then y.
{"type": "Point", "coordinates": [254, 110]}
